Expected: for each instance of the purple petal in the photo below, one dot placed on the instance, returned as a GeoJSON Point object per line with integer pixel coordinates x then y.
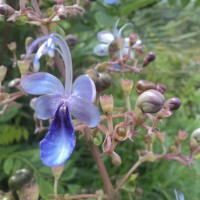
{"type": "Point", "coordinates": [59, 142]}
{"type": "Point", "coordinates": [84, 111]}
{"type": "Point", "coordinates": [46, 106]}
{"type": "Point", "coordinates": [84, 87]}
{"type": "Point", "coordinates": [105, 37]}
{"type": "Point", "coordinates": [41, 83]}
{"type": "Point", "coordinates": [101, 49]}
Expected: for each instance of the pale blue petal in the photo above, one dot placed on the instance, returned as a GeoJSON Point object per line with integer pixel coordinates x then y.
{"type": "Point", "coordinates": [84, 87]}
{"type": "Point", "coordinates": [101, 49]}
{"type": "Point", "coordinates": [110, 1]}
{"type": "Point", "coordinates": [84, 111]}
{"type": "Point", "coordinates": [59, 142]}
{"type": "Point", "coordinates": [41, 83]}
{"type": "Point", "coordinates": [46, 106]}
{"type": "Point", "coordinates": [105, 37]}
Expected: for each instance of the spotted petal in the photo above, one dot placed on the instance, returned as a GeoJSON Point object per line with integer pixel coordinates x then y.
{"type": "Point", "coordinates": [59, 142]}
{"type": "Point", "coordinates": [41, 83]}
{"type": "Point", "coordinates": [84, 111]}
{"type": "Point", "coordinates": [101, 49]}
{"type": "Point", "coordinates": [84, 87]}
{"type": "Point", "coordinates": [105, 37]}
{"type": "Point", "coordinates": [46, 106]}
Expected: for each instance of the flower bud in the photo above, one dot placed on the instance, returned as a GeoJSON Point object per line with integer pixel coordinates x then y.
{"type": "Point", "coordinates": [149, 58]}
{"type": "Point", "coordinates": [6, 10]}
{"type": "Point", "coordinates": [116, 159]}
{"type": "Point", "coordinates": [97, 138]}
{"type": "Point", "coordinates": [14, 83]}
{"type": "Point", "coordinates": [107, 103]}
{"type": "Point", "coordinates": [102, 81]}
{"type": "Point", "coordinates": [32, 102]}
{"type": "Point", "coordinates": [3, 71]}
{"type": "Point", "coordinates": [71, 40]}
{"type": "Point", "coordinates": [132, 39]}
{"type": "Point", "coordinates": [23, 66]}
{"type": "Point", "coordinates": [143, 85]}
{"type": "Point", "coordinates": [57, 171]}
{"type": "Point", "coordinates": [62, 14]}
{"type": "Point", "coordinates": [12, 46]}
{"type": "Point", "coordinates": [127, 86]}
{"type": "Point", "coordinates": [182, 135]}
{"type": "Point", "coordinates": [173, 103]}
{"type": "Point", "coordinates": [172, 149]}
{"type": "Point", "coordinates": [150, 101]}
{"type": "Point", "coordinates": [20, 178]}
{"type": "Point", "coordinates": [120, 132]}
{"type": "Point", "coordinates": [196, 135]}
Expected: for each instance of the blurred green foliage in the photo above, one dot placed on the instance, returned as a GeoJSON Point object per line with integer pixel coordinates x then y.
{"type": "Point", "coordinates": [171, 29]}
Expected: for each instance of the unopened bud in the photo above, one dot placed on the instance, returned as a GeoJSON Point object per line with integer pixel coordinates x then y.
{"type": "Point", "coordinates": [182, 135]}
{"type": "Point", "coordinates": [150, 101]}
{"type": "Point", "coordinates": [132, 39]}
{"type": "Point", "coordinates": [173, 103]}
{"type": "Point", "coordinates": [143, 85]}
{"type": "Point", "coordinates": [196, 135]}
{"type": "Point", "coordinates": [120, 133]}
{"type": "Point", "coordinates": [102, 81]}
{"type": "Point", "coordinates": [23, 66]}
{"type": "Point", "coordinates": [172, 149]}
{"type": "Point", "coordinates": [107, 103]}
{"type": "Point", "coordinates": [6, 10]}
{"type": "Point", "coordinates": [149, 58]}
{"type": "Point", "coordinates": [12, 46]}
{"type": "Point", "coordinates": [116, 159]}
{"type": "Point", "coordinates": [97, 138]}
{"type": "Point", "coordinates": [62, 14]}
{"type": "Point", "coordinates": [57, 171]}
{"type": "Point", "coordinates": [71, 40]}
{"type": "Point", "coordinates": [14, 83]}
{"type": "Point", "coordinates": [160, 136]}
{"type": "Point", "coordinates": [127, 86]}
{"type": "Point", "coordinates": [3, 71]}
{"type": "Point", "coordinates": [32, 102]}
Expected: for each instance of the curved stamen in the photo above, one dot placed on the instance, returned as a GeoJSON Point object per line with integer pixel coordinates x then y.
{"type": "Point", "coordinates": [122, 28]}
{"type": "Point", "coordinates": [114, 30]}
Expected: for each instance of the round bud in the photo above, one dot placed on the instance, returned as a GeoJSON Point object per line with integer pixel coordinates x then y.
{"type": "Point", "coordinates": [120, 133]}
{"type": "Point", "coordinates": [173, 103]}
{"type": "Point", "coordinates": [143, 85]}
{"type": "Point", "coordinates": [20, 178]}
{"type": "Point", "coordinates": [150, 101]}
{"type": "Point", "coordinates": [6, 10]}
{"type": "Point", "coordinates": [196, 135]}
{"type": "Point", "coordinates": [116, 159]}
{"type": "Point", "coordinates": [149, 58]}
{"type": "Point", "coordinates": [71, 40]}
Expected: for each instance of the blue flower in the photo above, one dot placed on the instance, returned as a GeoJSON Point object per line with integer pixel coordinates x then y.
{"type": "Point", "coordinates": [60, 101]}
{"type": "Point", "coordinates": [106, 38]}
{"type": "Point", "coordinates": [179, 195]}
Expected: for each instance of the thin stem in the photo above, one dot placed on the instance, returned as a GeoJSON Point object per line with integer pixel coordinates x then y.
{"type": "Point", "coordinates": [36, 7]}
{"type": "Point", "coordinates": [81, 196]}
{"type": "Point", "coordinates": [135, 166]}
{"type": "Point", "coordinates": [128, 103]}
{"type": "Point", "coordinates": [55, 188]}
{"type": "Point", "coordinates": [101, 167]}
{"type": "Point", "coordinates": [22, 5]}
{"type": "Point", "coordinates": [110, 124]}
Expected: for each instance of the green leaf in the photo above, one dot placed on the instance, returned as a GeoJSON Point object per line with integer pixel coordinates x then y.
{"type": "Point", "coordinates": [8, 115]}
{"type": "Point", "coordinates": [8, 165]}
{"type": "Point", "coordinates": [69, 174]}
{"type": "Point", "coordinates": [46, 187]}
{"type": "Point", "coordinates": [197, 3]}
{"type": "Point", "coordinates": [104, 19]}
{"type": "Point", "coordinates": [185, 2]}
{"type": "Point", "coordinates": [171, 2]}
{"type": "Point", "coordinates": [73, 188]}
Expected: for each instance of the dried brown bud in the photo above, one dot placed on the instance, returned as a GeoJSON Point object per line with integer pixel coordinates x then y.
{"type": "Point", "coordinates": [6, 10]}
{"type": "Point", "coordinates": [143, 85]}
{"type": "Point", "coordinates": [149, 58]}
{"type": "Point", "coordinates": [150, 101]}
{"type": "Point", "coordinates": [173, 103]}
{"type": "Point", "coordinates": [148, 139]}
{"type": "Point", "coordinates": [127, 86]}
{"type": "Point", "coordinates": [107, 103]}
